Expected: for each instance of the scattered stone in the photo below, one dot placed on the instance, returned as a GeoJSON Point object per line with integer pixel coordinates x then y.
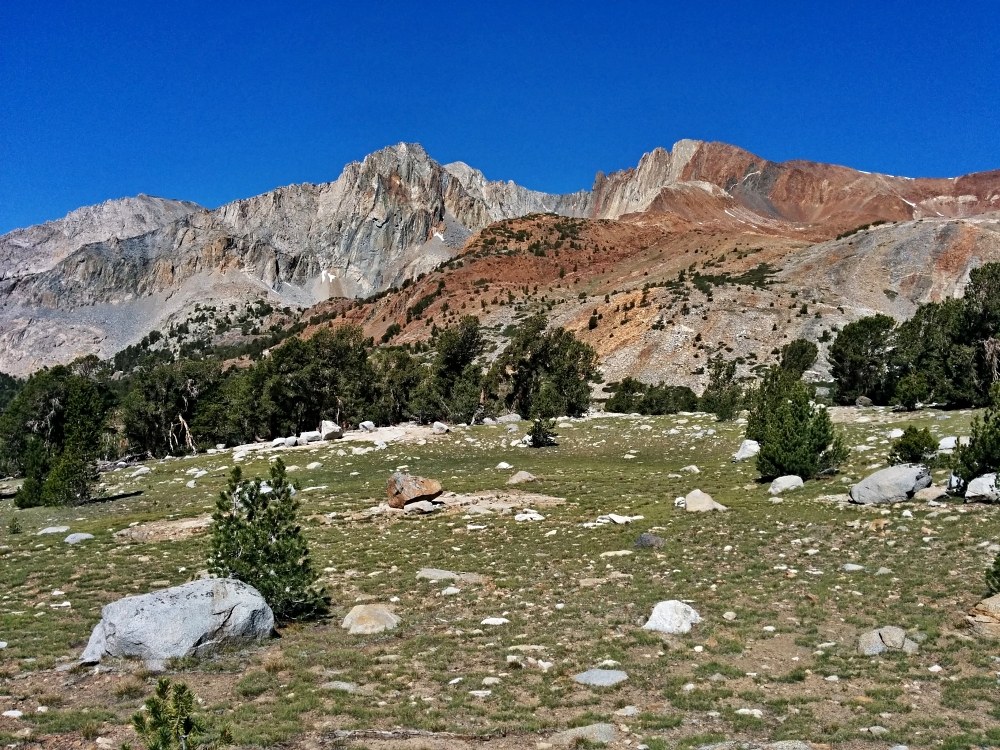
{"type": "Point", "coordinates": [450, 591]}
{"type": "Point", "coordinates": [984, 618]}
{"type": "Point", "coordinates": [529, 515]}
{"type": "Point", "coordinates": [889, 638]}
{"type": "Point", "coordinates": [895, 433]}
{"type": "Point", "coordinates": [421, 506]}
{"type": "Point", "coordinates": [141, 472]}
{"type": "Point", "coordinates": [983, 489]}
{"type": "Point", "coordinates": [3, 645]}
{"type": "Point", "coordinates": [600, 734]}
{"type": "Point", "coordinates": [697, 501]}
{"type": "Point", "coordinates": [78, 537]}
{"type": "Point", "coordinates": [404, 488]}
{"type": "Point", "coordinates": [748, 449]}
{"type": "Point", "coordinates": [784, 484]}
{"type": "Point", "coordinates": [53, 530]}
{"type": "Point", "coordinates": [600, 677]}
{"type": "Point", "coordinates": [13, 714]}
{"type": "Point", "coordinates": [892, 485]}
{"type": "Point", "coordinates": [309, 436]}
{"type": "Point", "coordinates": [649, 541]}
{"type": "Point", "coordinates": [627, 711]}
{"type": "Point", "coordinates": [368, 619]}
{"type": "Point", "coordinates": [930, 494]}
{"type": "Point", "coordinates": [521, 477]}
{"type": "Point", "coordinates": [188, 620]}
{"type": "Point", "coordinates": [340, 686]}
{"type": "Point", "coordinates": [730, 616]}
{"type": "Point", "coordinates": [313, 465]}
{"type": "Point", "coordinates": [330, 430]}
{"type": "Point", "coordinates": [672, 617]}
{"type": "Point", "coordinates": [480, 693]}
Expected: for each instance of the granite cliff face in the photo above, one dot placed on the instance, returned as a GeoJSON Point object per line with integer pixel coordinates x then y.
{"type": "Point", "coordinates": [105, 275]}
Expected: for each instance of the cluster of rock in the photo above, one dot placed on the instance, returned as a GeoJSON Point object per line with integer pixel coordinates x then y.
{"type": "Point", "coordinates": [327, 431]}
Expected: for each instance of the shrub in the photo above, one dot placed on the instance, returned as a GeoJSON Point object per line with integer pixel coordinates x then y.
{"type": "Point", "coordinates": [723, 395]}
{"type": "Point", "coordinates": [256, 539]}
{"type": "Point", "coordinates": [915, 446]}
{"type": "Point", "coordinates": [542, 433]}
{"type": "Point", "coordinates": [168, 721]}
{"type": "Point", "coordinates": [796, 436]}
{"type": "Point", "coordinates": [982, 454]}
{"type": "Point", "coordinates": [993, 578]}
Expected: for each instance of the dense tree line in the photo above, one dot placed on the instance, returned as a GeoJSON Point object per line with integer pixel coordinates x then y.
{"type": "Point", "coordinates": [948, 353]}
{"type": "Point", "coordinates": [61, 420]}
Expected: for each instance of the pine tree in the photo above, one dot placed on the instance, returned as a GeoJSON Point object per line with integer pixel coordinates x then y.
{"type": "Point", "coordinates": [256, 539]}
{"type": "Point", "coordinates": [168, 722]}
{"type": "Point", "coordinates": [796, 436]}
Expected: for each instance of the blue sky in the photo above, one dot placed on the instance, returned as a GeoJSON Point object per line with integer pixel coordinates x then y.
{"type": "Point", "coordinates": [213, 101]}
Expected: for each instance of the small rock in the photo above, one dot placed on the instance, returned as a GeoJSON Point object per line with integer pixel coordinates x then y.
{"type": "Point", "coordinates": [440, 428]}
{"type": "Point", "coordinates": [77, 538]}
{"type": "Point", "coordinates": [747, 449]}
{"type": "Point", "coordinates": [730, 616]}
{"type": "Point", "coordinates": [697, 501]}
{"type": "Point", "coordinates": [495, 621]}
{"type": "Point", "coordinates": [367, 426]}
{"type": "Point", "coordinates": [521, 477]}
{"type": "Point", "coordinates": [600, 734]}
{"type": "Point", "coordinates": [340, 686]}
{"type": "Point", "coordinates": [503, 466]}
{"type": "Point", "coordinates": [672, 617]}
{"type": "Point", "coordinates": [852, 568]}
{"type": "Point", "coordinates": [368, 619]}
{"type": "Point", "coordinates": [785, 484]}
{"type": "Point", "coordinates": [627, 711]}
{"type": "Point", "coordinates": [13, 714]}
{"type": "Point", "coordinates": [649, 541]}
{"type": "Point", "coordinates": [53, 530]}
{"type": "Point", "coordinates": [600, 677]}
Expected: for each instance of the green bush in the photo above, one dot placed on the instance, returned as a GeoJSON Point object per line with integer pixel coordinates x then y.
{"type": "Point", "coordinates": [993, 578]}
{"type": "Point", "coordinates": [542, 433]}
{"type": "Point", "coordinates": [256, 539]}
{"type": "Point", "coordinates": [168, 723]}
{"type": "Point", "coordinates": [795, 435]}
{"type": "Point", "coordinates": [982, 454]}
{"type": "Point", "coordinates": [915, 446]}
{"type": "Point", "coordinates": [723, 395]}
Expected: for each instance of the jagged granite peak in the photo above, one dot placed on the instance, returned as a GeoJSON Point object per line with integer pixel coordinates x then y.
{"type": "Point", "coordinates": [40, 247]}
{"type": "Point", "coordinates": [104, 276]}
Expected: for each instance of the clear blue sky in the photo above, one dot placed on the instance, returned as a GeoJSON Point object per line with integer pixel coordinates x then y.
{"type": "Point", "coordinates": [212, 101]}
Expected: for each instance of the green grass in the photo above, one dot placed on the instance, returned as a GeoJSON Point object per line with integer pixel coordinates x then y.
{"type": "Point", "coordinates": [776, 566]}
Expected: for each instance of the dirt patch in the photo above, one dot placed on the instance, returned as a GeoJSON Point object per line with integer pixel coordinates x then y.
{"type": "Point", "coordinates": [164, 531]}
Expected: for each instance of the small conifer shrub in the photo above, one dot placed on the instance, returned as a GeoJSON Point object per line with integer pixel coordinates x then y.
{"type": "Point", "coordinates": [256, 539]}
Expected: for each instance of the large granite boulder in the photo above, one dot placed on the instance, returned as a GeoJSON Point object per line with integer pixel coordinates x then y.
{"type": "Point", "coordinates": [697, 501]}
{"type": "Point", "coordinates": [403, 488]}
{"type": "Point", "coordinates": [983, 489]}
{"type": "Point", "coordinates": [892, 485]}
{"type": "Point", "coordinates": [188, 620]}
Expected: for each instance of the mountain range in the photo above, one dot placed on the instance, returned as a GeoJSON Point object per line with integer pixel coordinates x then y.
{"type": "Point", "coordinates": [702, 248]}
